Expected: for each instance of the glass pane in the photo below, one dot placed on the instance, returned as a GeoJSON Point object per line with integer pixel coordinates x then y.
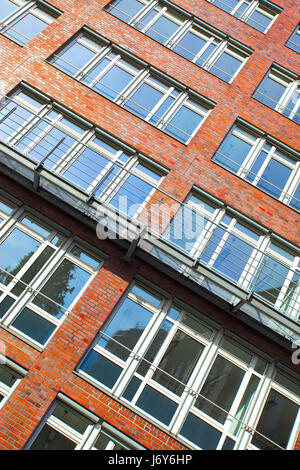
{"type": "Point", "coordinates": [85, 257]}
{"type": "Point", "coordinates": [237, 351]}
{"type": "Point", "coordinates": [63, 287]}
{"type": "Point", "coordinates": [74, 58]}
{"type": "Point", "coordinates": [274, 178]}
{"type": "Point", "coordinates": [103, 440]}
{"type": "Point", "coordinates": [86, 168]}
{"type": "Point", "coordinates": [178, 362]}
{"type": "Point", "coordinates": [33, 270]}
{"type": "Point", "coordinates": [294, 41]}
{"type": "Point", "coordinates": [200, 433]}
{"type": "Point", "coordinates": [15, 251]}
{"type": "Point", "coordinates": [232, 153]}
{"type": "Point", "coordinates": [5, 305]}
{"type": "Point", "coordinates": [151, 298]}
{"type": "Point", "coordinates": [7, 8]}
{"type": "Point", "coordinates": [12, 118]}
{"type": "Point", "coordinates": [225, 66]}
{"type": "Point", "coordinates": [143, 100]}
{"type": "Point", "coordinates": [101, 369]}
{"type": "Point", "coordinates": [6, 208]}
{"type": "Point", "coordinates": [34, 326]}
{"type": "Point", "coordinates": [157, 405]}
{"type": "Point", "coordinates": [269, 92]}
{"type": "Point", "coordinates": [126, 328]}
{"type": "Point", "coordinates": [50, 439]}
{"type": "Point", "coordinates": [295, 201]}
{"type": "Point", "coordinates": [162, 29]}
{"type": "Point", "coordinates": [259, 21]}
{"type": "Point", "coordinates": [71, 417]}
{"type": "Point", "coordinates": [26, 29]}
{"type": "Point", "coordinates": [244, 405]}
{"type": "Point", "coordinates": [226, 5]}
{"type": "Point", "coordinates": [276, 422]}
{"type": "Point", "coordinates": [131, 195]}
{"type": "Point", "coordinates": [189, 45]}
{"type": "Point", "coordinates": [228, 444]}
{"type": "Point", "coordinates": [7, 376]}
{"type": "Point", "coordinates": [271, 276]}
{"type": "Point", "coordinates": [220, 387]}
{"type": "Point", "coordinates": [131, 388]}
{"type": "Point", "coordinates": [184, 124]}
{"type": "Point", "coordinates": [113, 82]}
{"type": "Point", "coordinates": [125, 9]}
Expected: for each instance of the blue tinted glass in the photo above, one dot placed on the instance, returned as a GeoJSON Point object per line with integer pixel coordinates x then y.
{"type": "Point", "coordinates": [113, 82]}
{"type": "Point", "coordinates": [269, 279]}
{"type": "Point", "coordinates": [63, 287]}
{"type": "Point", "coordinates": [146, 295]}
{"type": "Point", "coordinates": [6, 208]}
{"type": "Point", "coordinates": [269, 92]}
{"type": "Point", "coordinates": [125, 9]}
{"type": "Point", "coordinates": [232, 153]}
{"type": "Point", "coordinates": [95, 72]}
{"type": "Point", "coordinates": [73, 58]}
{"type": "Point", "coordinates": [12, 117]}
{"type": "Point", "coordinates": [225, 67]}
{"type": "Point", "coordinates": [226, 5]}
{"type": "Point", "coordinates": [200, 433]}
{"type": "Point", "coordinates": [295, 201]}
{"type": "Point", "coordinates": [161, 110]}
{"type": "Point", "coordinates": [126, 327]}
{"type": "Point", "coordinates": [256, 166]}
{"type": "Point", "coordinates": [36, 227]}
{"type": "Point", "coordinates": [140, 25]}
{"type": "Point", "coordinates": [131, 388]}
{"type": "Point", "coordinates": [294, 41]}
{"type": "Point", "coordinates": [233, 258]}
{"type": "Point", "coordinates": [26, 29]}
{"type": "Point", "coordinates": [183, 124]}
{"type": "Point", "coordinates": [258, 21]}
{"type": "Point", "coordinates": [157, 405]}
{"type": "Point", "coordinates": [189, 45]}
{"type": "Point", "coordinates": [162, 29]}
{"type": "Point", "coordinates": [274, 178]}
{"type": "Point", "coordinates": [212, 244]}
{"type": "Point", "coordinates": [185, 228]}
{"type": "Point", "coordinates": [7, 8]}
{"type": "Point", "coordinates": [86, 168]}
{"type": "Point", "coordinates": [131, 195]}
{"type": "Point", "coordinates": [101, 369]}
{"type": "Point", "coordinates": [143, 100]}
{"type": "Point", "coordinates": [206, 54]}
{"type": "Point", "coordinates": [15, 251]}
{"type": "Point", "coordinates": [34, 326]}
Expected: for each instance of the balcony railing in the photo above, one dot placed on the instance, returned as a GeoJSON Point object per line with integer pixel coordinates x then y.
{"type": "Point", "coordinates": [242, 276]}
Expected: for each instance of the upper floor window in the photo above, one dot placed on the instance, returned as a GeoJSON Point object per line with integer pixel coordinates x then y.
{"type": "Point", "coordinates": [43, 272]}
{"type": "Point", "coordinates": [191, 39]}
{"type": "Point", "coordinates": [280, 91]}
{"type": "Point", "coordinates": [78, 153]}
{"type": "Point", "coordinates": [10, 376]}
{"type": "Point", "coordinates": [180, 372]}
{"type": "Point", "coordinates": [294, 40]}
{"type": "Point", "coordinates": [23, 20]}
{"type": "Point", "coordinates": [238, 251]}
{"type": "Point", "coordinates": [262, 162]}
{"type": "Point", "coordinates": [133, 85]}
{"type": "Point", "coordinates": [257, 13]}
{"type": "Point", "coordinates": [68, 426]}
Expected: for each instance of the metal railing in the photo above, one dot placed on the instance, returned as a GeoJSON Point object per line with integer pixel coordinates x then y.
{"type": "Point", "coordinates": [244, 265]}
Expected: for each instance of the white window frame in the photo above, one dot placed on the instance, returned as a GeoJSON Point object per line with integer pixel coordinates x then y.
{"type": "Point", "coordinates": [18, 371]}
{"type": "Point", "coordinates": [32, 290]}
{"type": "Point", "coordinates": [25, 8]}
{"type": "Point", "coordinates": [296, 32]}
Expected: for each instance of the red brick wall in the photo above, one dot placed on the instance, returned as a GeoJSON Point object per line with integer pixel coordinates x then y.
{"type": "Point", "coordinates": [52, 370]}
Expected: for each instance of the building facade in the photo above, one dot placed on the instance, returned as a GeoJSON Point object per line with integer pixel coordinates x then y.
{"type": "Point", "coordinates": [149, 225]}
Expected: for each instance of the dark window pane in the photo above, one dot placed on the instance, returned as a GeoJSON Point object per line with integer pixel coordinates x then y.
{"type": "Point", "coordinates": [131, 388]}
{"type": "Point", "coordinates": [125, 328]}
{"type": "Point", "coordinates": [71, 417]}
{"type": "Point", "coordinates": [101, 369]}
{"type": "Point", "coordinates": [7, 376]}
{"type": "Point", "coordinates": [157, 405]}
{"type": "Point", "coordinates": [228, 444]}
{"type": "Point", "coordinates": [34, 326]}
{"type": "Point", "coordinates": [5, 305]}
{"type": "Point", "coordinates": [50, 439]}
{"type": "Point", "coordinates": [220, 387]}
{"type": "Point", "coordinates": [200, 433]}
{"type": "Point", "coordinates": [15, 251]}
{"type": "Point", "coordinates": [63, 287]}
{"type": "Point", "coordinates": [276, 421]}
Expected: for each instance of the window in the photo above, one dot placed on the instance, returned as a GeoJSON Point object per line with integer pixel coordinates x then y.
{"type": "Point", "coordinates": [294, 40]}
{"type": "Point", "coordinates": [238, 251]}
{"type": "Point", "coordinates": [192, 40]}
{"type": "Point", "coordinates": [263, 163]}
{"type": "Point", "coordinates": [258, 14]}
{"type": "Point", "coordinates": [177, 371]}
{"type": "Point", "coordinates": [43, 272]}
{"type": "Point", "coordinates": [80, 155]}
{"type": "Point", "coordinates": [133, 85]}
{"type": "Point", "coordinates": [23, 20]}
{"type": "Point", "coordinates": [10, 376]}
{"type": "Point", "coordinates": [281, 92]}
{"type": "Point", "coordinates": [69, 426]}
